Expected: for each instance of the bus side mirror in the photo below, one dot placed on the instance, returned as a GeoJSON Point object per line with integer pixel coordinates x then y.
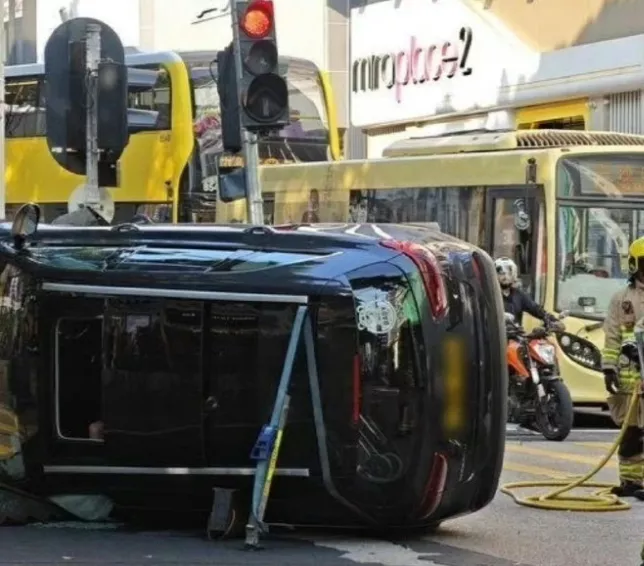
{"type": "Point", "coordinates": [521, 216]}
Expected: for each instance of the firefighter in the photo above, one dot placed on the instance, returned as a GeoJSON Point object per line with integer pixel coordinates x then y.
{"type": "Point", "coordinates": [621, 373]}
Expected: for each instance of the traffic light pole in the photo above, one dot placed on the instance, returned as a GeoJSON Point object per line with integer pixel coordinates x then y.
{"type": "Point", "coordinates": [92, 58]}
{"type": "Point", "coordinates": [250, 149]}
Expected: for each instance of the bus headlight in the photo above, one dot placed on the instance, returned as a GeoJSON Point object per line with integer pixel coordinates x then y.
{"type": "Point", "coordinates": [580, 350]}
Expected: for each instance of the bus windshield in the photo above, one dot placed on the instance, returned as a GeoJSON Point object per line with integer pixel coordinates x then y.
{"type": "Point", "coordinates": [305, 139]}
{"type": "Point", "coordinates": [594, 230]}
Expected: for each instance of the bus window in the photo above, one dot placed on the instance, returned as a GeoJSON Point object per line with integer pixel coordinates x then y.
{"type": "Point", "coordinates": [207, 127]}
{"type": "Point", "coordinates": [308, 132]}
{"type": "Point", "coordinates": [458, 210]}
{"type": "Point", "coordinates": [505, 236]}
{"type": "Point", "coordinates": [591, 255]}
{"type": "Point", "coordinates": [305, 139]}
{"type": "Point", "coordinates": [24, 110]}
{"type": "Point", "coordinates": [269, 208]}
{"type": "Point", "coordinates": [541, 272]}
{"type": "Point", "coordinates": [149, 99]}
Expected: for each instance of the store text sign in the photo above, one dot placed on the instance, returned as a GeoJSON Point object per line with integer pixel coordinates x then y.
{"type": "Point", "coordinates": [416, 65]}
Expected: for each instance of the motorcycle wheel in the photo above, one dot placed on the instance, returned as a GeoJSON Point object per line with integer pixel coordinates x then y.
{"type": "Point", "coordinates": [555, 415]}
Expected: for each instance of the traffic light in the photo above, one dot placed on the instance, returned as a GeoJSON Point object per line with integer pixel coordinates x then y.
{"type": "Point", "coordinates": [228, 100]}
{"type": "Point", "coordinates": [66, 103]}
{"type": "Point", "coordinates": [263, 91]}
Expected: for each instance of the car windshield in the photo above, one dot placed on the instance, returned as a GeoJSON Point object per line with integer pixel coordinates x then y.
{"type": "Point", "coordinates": [593, 236]}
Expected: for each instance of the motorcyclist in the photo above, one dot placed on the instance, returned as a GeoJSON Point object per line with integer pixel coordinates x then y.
{"type": "Point", "coordinates": [621, 373]}
{"type": "Point", "coordinates": [516, 301]}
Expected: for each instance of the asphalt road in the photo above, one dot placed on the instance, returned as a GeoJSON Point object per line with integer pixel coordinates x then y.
{"type": "Point", "coordinates": [504, 534]}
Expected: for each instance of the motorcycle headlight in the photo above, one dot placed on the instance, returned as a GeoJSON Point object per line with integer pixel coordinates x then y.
{"type": "Point", "coordinates": [546, 352]}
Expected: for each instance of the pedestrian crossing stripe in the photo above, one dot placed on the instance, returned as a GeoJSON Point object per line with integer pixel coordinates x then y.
{"type": "Point", "coordinates": [552, 455]}
{"type": "Point", "coordinates": [536, 471]}
{"type": "Point", "coordinates": [606, 446]}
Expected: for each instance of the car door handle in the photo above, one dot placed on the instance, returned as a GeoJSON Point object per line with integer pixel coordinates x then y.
{"type": "Point", "coordinates": [211, 404]}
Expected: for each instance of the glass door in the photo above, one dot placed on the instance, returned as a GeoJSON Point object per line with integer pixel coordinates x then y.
{"type": "Point", "coordinates": [516, 229]}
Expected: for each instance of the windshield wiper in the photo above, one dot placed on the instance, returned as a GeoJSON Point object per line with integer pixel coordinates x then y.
{"type": "Point", "coordinates": [591, 327]}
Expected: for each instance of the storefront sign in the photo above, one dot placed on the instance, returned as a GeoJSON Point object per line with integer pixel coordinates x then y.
{"type": "Point", "coordinates": [417, 59]}
{"type": "Point", "coordinates": [417, 64]}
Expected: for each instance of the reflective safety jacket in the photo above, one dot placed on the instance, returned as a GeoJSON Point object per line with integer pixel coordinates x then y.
{"type": "Point", "coordinates": [619, 330]}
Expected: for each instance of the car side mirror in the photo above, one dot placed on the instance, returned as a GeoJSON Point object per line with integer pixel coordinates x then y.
{"type": "Point", "coordinates": [25, 224]}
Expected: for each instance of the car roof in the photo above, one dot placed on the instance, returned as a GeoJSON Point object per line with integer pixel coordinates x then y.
{"type": "Point", "coordinates": [310, 259]}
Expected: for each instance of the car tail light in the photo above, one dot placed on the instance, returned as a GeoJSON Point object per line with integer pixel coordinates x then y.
{"type": "Point", "coordinates": [435, 485]}
{"type": "Point", "coordinates": [477, 268]}
{"type": "Point", "coordinates": [430, 272]}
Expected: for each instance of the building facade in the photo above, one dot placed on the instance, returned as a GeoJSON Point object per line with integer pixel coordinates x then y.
{"type": "Point", "coordinates": [428, 67]}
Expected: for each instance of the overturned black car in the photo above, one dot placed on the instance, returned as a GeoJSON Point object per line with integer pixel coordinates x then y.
{"type": "Point", "coordinates": [361, 365]}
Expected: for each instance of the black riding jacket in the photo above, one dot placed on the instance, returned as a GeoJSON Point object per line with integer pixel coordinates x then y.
{"type": "Point", "coordinates": [517, 302]}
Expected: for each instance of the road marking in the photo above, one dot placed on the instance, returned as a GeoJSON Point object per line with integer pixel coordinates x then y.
{"type": "Point", "coordinates": [576, 458]}
{"type": "Point", "coordinates": [601, 445]}
{"type": "Point", "coordinates": [379, 552]}
{"type": "Point", "coordinates": [613, 431]}
{"type": "Point", "coordinates": [536, 471]}
{"type": "Point", "coordinates": [517, 431]}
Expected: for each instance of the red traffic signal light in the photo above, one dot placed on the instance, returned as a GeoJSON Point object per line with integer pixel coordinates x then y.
{"type": "Point", "coordinates": [262, 90]}
{"type": "Point", "coordinates": [257, 21]}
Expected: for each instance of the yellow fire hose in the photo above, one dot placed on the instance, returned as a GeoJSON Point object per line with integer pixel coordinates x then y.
{"type": "Point", "coordinates": [600, 500]}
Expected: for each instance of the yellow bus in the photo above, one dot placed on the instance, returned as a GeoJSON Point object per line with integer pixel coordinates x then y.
{"type": "Point", "coordinates": [564, 205]}
{"type": "Point", "coordinates": [174, 150]}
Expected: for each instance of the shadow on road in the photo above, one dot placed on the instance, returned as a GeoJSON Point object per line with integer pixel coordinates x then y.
{"type": "Point", "coordinates": [593, 418]}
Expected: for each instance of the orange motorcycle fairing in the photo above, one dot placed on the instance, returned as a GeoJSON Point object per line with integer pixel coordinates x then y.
{"type": "Point", "coordinates": [516, 365]}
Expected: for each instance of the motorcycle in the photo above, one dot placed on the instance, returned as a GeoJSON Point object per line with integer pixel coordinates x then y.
{"type": "Point", "coordinates": [538, 398]}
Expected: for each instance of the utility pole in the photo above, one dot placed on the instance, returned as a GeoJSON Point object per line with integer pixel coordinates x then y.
{"type": "Point", "coordinates": [250, 150]}
{"type": "Point", "coordinates": [2, 116]}
{"type": "Point", "coordinates": [92, 59]}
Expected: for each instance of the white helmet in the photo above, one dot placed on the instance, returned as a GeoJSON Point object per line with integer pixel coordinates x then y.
{"type": "Point", "coordinates": [506, 271]}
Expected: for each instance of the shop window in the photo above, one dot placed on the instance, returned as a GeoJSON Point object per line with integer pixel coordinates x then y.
{"type": "Point", "coordinates": [569, 123]}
